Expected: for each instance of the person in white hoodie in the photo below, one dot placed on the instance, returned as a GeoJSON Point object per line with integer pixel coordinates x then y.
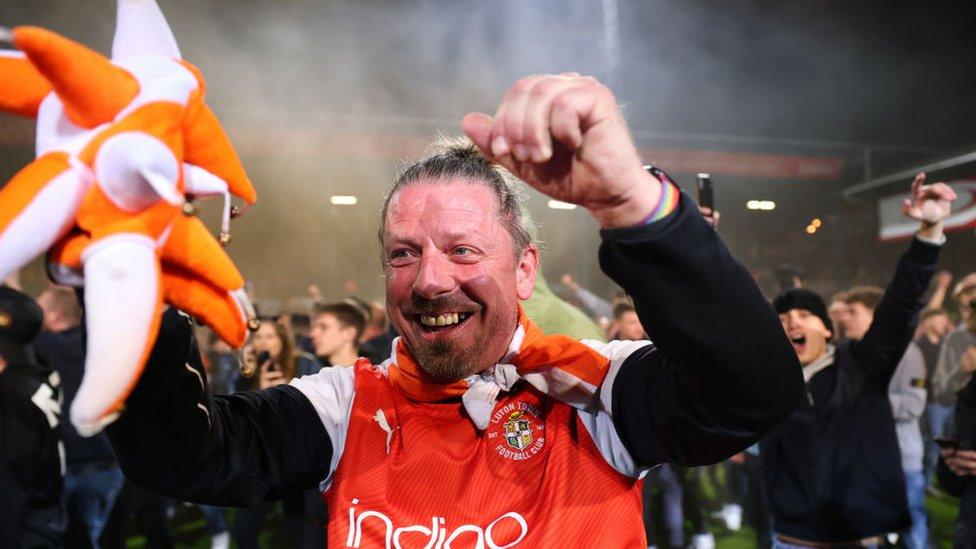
{"type": "Point", "coordinates": [907, 395]}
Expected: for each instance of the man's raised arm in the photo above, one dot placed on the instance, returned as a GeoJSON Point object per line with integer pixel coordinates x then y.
{"type": "Point", "coordinates": [175, 439]}
{"type": "Point", "coordinates": [723, 372]}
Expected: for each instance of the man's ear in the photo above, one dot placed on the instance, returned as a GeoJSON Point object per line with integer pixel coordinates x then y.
{"type": "Point", "coordinates": [526, 270]}
{"type": "Point", "coordinates": [348, 333]}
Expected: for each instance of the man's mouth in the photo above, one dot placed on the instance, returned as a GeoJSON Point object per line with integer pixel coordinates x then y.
{"type": "Point", "coordinates": [799, 342]}
{"type": "Point", "coordinates": [442, 322]}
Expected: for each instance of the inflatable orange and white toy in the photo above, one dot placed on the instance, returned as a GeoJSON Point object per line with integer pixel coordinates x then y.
{"type": "Point", "coordinates": [122, 145]}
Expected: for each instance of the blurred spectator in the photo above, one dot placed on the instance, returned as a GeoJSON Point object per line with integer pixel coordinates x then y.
{"type": "Point", "coordinates": [223, 367]}
{"type": "Point", "coordinates": [223, 372]}
{"type": "Point", "coordinates": [861, 302]}
{"type": "Point", "coordinates": [907, 395]}
{"type": "Point", "coordinates": [301, 325]}
{"type": "Point", "coordinates": [595, 305]}
{"type": "Point", "coordinates": [92, 476]}
{"type": "Point", "coordinates": [832, 469]}
{"type": "Point", "coordinates": [376, 340]}
{"type": "Point", "coordinates": [957, 466]}
{"type": "Point", "coordinates": [663, 479]}
{"type": "Point", "coordinates": [933, 325]}
{"type": "Point", "coordinates": [943, 279]}
{"type": "Point", "coordinates": [31, 514]}
{"type": "Point", "coordinates": [837, 311]}
{"type": "Point", "coordinates": [965, 295]}
{"type": "Point", "coordinates": [304, 511]}
{"type": "Point", "coordinates": [951, 373]}
{"type": "Point", "coordinates": [335, 333]}
{"type": "Point", "coordinates": [626, 325]}
{"type": "Point", "coordinates": [555, 316]}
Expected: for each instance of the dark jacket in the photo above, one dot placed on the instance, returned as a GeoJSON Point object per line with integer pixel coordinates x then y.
{"type": "Point", "coordinates": [963, 487]}
{"type": "Point", "coordinates": [722, 375]}
{"type": "Point", "coordinates": [30, 462]}
{"type": "Point", "coordinates": [833, 470]}
{"type": "Point", "coordinates": [65, 352]}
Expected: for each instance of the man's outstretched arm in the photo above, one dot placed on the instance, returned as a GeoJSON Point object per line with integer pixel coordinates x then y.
{"type": "Point", "coordinates": [885, 342]}
{"type": "Point", "coordinates": [175, 439]}
{"type": "Point", "coordinates": [721, 372]}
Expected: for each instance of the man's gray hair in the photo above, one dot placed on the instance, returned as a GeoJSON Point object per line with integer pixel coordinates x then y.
{"type": "Point", "coordinates": [458, 158]}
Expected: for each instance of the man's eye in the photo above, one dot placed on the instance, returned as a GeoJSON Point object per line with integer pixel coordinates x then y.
{"type": "Point", "coordinates": [399, 254]}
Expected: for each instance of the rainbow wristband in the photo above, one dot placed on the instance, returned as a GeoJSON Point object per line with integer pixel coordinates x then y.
{"type": "Point", "coordinates": [667, 202]}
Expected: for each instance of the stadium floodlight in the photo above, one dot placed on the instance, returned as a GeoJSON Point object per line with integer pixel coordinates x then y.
{"type": "Point", "coordinates": [559, 205]}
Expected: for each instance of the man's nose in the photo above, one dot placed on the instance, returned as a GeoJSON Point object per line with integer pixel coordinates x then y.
{"type": "Point", "coordinates": [435, 276]}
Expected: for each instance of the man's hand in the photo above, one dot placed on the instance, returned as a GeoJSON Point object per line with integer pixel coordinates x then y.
{"type": "Point", "coordinates": [960, 462]}
{"type": "Point", "coordinates": [929, 204]}
{"type": "Point", "coordinates": [565, 136]}
{"type": "Point", "coordinates": [568, 281]}
{"type": "Point", "coordinates": [967, 363]}
{"type": "Point", "coordinates": [711, 216]}
{"type": "Point", "coordinates": [943, 279]}
{"type": "Point", "coordinates": [268, 377]}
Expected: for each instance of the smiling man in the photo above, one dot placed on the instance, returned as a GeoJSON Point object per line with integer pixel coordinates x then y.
{"type": "Point", "coordinates": [833, 470]}
{"type": "Point", "coordinates": [480, 430]}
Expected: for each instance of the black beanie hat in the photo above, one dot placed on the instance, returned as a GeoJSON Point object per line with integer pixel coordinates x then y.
{"type": "Point", "coordinates": [20, 322]}
{"type": "Point", "coordinates": [800, 298]}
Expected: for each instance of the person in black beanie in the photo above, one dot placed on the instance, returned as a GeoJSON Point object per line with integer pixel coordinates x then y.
{"type": "Point", "coordinates": [833, 474]}
{"type": "Point", "coordinates": [30, 444]}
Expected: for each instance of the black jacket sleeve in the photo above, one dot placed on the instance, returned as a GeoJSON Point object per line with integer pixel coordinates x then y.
{"type": "Point", "coordinates": [175, 439]}
{"type": "Point", "coordinates": [722, 372]}
{"type": "Point", "coordinates": [895, 317]}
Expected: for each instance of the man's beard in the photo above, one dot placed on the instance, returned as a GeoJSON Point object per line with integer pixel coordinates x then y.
{"type": "Point", "coordinates": [446, 362]}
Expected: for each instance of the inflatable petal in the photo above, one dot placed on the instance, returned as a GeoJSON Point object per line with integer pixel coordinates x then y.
{"type": "Point", "coordinates": [208, 146]}
{"type": "Point", "coordinates": [22, 88]}
{"type": "Point", "coordinates": [141, 29]}
{"type": "Point", "coordinates": [215, 307]}
{"type": "Point", "coordinates": [123, 304]}
{"type": "Point", "coordinates": [192, 248]}
{"type": "Point", "coordinates": [37, 207]}
{"type": "Point", "coordinates": [92, 88]}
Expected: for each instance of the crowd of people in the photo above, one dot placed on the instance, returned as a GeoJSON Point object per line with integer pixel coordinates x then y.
{"type": "Point", "coordinates": [837, 452]}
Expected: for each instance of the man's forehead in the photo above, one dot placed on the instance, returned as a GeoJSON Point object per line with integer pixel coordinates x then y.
{"type": "Point", "coordinates": [455, 206]}
{"type": "Point", "coordinates": [437, 194]}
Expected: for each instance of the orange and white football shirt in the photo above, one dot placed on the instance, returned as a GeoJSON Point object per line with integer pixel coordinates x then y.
{"type": "Point", "coordinates": [408, 474]}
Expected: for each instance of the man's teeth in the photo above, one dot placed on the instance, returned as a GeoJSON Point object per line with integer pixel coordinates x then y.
{"type": "Point", "coordinates": [442, 320]}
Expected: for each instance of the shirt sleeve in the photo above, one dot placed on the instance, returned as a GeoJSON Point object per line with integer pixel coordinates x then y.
{"type": "Point", "coordinates": [178, 440]}
{"type": "Point", "coordinates": [598, 419]}
{"type": "Point", "coordinates": [331, 393]}
{"type": "Point", "coordinates": [721, 373]}
{"type": "Point", "coordinates": [907, 389]}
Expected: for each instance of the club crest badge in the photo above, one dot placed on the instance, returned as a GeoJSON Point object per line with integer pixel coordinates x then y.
{"type": "Point", "coordinates": [516, 431]}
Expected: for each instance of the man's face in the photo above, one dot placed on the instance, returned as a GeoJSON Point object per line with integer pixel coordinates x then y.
{"type": "Point", "coordinates": [838, 313]}
{"type": "Point", "coordinates": [857, 321]}
{"type": "Point", "coordinates": [807, 333]}
{"type": "Point", "coordinates": [937, 325]}
{"type": "Point", "coordinates": [52, 317]}
{"type": "Point", "coordinates": [966, 297]}
{"type": "Point", "coordinates": [266, 339]}
{"type": "Point", "coordinates": [329, 336]}
{"type": "Point", "coordinates": [629, 327]}
{"type": "Point", "coordinates": [452, 281]}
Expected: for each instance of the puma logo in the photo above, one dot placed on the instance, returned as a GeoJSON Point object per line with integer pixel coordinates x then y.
{"type": "Point", "coordinates": [380, 419]}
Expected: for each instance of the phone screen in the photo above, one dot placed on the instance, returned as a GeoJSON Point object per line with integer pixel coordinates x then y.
{"type": "Point", "coordinates": [705, 192]}
{"type": "Point", "coordinates": [946, 442]}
